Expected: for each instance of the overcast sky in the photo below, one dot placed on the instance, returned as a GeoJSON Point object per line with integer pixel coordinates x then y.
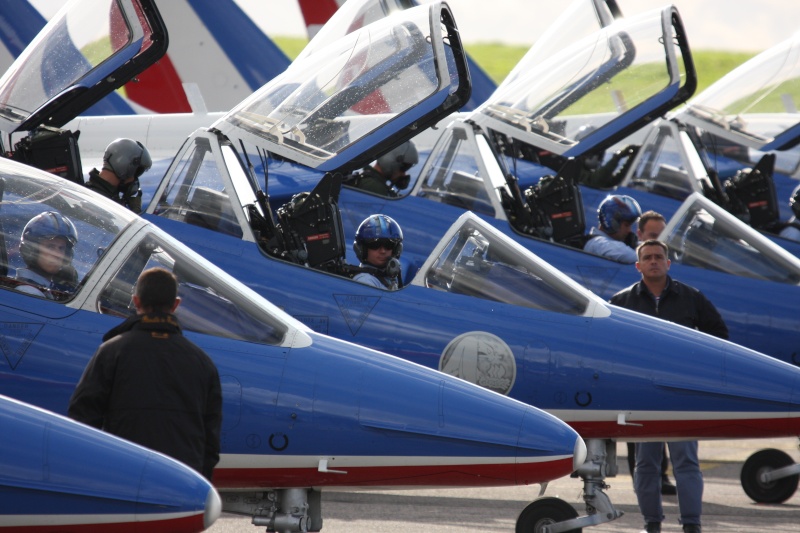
{"type": "Point", "coordinates": [741, 25]}
{"type": "Point", "coordinates": [744, 25]}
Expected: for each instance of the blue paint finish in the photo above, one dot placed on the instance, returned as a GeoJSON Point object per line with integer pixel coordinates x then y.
{"type": "Point", "coordinates": [53, 466]}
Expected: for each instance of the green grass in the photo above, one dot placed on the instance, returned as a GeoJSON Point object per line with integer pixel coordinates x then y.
{"type": "Point", "coordinates": [291, 46]}
{"type": "Point", "coordinates": [498, 59]}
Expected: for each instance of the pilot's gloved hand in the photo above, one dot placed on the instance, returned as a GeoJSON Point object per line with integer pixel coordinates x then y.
{"type": "Point", "coordinates": [632, 240]}
{"type": "Point", "coordinates": [402, 182]}
{"type": "Point", "coordinates": [132, 196]}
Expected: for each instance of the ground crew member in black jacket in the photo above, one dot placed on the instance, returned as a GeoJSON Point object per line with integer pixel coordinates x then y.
{"type": "Point", "coordinates": [149, 384]}
{"type": "Point", "coordinates": [657, 294]}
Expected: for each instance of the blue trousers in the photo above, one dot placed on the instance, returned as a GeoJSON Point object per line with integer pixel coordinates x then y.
{"type": "Point", "coordinates": [688, 480]}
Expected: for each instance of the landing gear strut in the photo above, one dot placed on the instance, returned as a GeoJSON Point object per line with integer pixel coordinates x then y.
{"type": "Point", "coordinates": [282, 511]}
{"type": "Point", "coordinates": [551, 515]}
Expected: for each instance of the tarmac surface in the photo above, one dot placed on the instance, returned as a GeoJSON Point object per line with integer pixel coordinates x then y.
{"type": "Point", "coordinates": [726, 508]}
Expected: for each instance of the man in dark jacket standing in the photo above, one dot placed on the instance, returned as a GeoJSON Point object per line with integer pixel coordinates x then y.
{"type": "Point", "coordinates": [657, 294]}
{"type": "Point", "coordinates": [149, 384]}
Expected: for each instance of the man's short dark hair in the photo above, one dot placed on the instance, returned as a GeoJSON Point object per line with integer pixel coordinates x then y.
{"type": "Point", "coordinates": [650, 215]}
{"type": "Point", "coordinates": [157, 289]}
{"type": "Point", "coordinates": [652, 242]}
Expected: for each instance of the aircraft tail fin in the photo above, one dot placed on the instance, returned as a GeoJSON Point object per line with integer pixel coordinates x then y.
{"type": "Point", "coordinates": [213, 44]}
{"type": "Point", "coordinates": [317, 12]}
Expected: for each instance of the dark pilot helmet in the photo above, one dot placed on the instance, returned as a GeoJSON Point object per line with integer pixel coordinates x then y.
{"type": "Point", "coordinates": [616, 209]}
{"type": "Point", "coordinates": [377, 230]}
{"type": "Point", "coordinates": [400, 159]}
{"type": "Point", "coordinates": [126, 158]}
{"type": "Point", "coordinates": [43, 227]}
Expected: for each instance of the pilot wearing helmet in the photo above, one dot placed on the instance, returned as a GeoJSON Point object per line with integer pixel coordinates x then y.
{"type": "Point", "coordinates": [389, 175]}
{"type": "Point", "coordinates": [123, 162]}
{"type": "Point", "coordinates": [614, 237]}
{"type": "Point", "coordinates": [378, 245]}
{"type": "Point", "coordinates": [47, 247]}
{"type": "Point", "coordinates": [792, 229]}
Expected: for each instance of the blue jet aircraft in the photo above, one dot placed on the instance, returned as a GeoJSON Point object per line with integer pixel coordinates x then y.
{"type": "Point", "coordinates": [462, 305]}
{"type": "Point", "coordinates": [471, 167]}
{"type": "Point", "coordinates": [211, 199]}
{"type": "Point", "coordinates": [59, 475]}
{"type": "Point", "coordinates": [475, 165]}
{"type": "Point", "coordinates": [302, 411]}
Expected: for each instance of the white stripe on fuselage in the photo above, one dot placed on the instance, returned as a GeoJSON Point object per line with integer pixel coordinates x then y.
{"type": "Point", "coordinates": [353, 461]}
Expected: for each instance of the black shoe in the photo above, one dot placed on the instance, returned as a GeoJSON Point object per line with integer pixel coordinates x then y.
{"type": "Point", "coordinates": [652, 527]}
{"type": "Point", "coordinates": [691, 528]}
{"type": "Point", "coordinates": [667, 488]}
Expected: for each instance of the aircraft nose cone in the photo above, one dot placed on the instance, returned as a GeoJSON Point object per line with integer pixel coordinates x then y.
{"type": "Point", "coordinates": [193, 503]}
{"type": "Point", "coordinates": [213, 508]}
{"type": "Point", "coordinates": [579, 454]}
{"type": "Point", "coordinates": [540, 456]}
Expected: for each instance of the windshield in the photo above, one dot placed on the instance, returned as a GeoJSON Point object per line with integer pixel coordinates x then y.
{"type": "Point", "coordinates": [474, 260]}
{"type": "Point", "coordinates": [702, 234]}
{"type": "Point", "coordinates": [207, 305]}
{"type": "Point", "coordinates": [349, 17]}
{"type": "Point", "coordinates": [52, 211]}
{"type": "Point", "coordinates": [102, 252]}
{"type": "Point", "coordinates": [668, 164]}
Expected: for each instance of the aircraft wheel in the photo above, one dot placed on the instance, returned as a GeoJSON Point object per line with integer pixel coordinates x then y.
{"type": "Point", "coordinates": [545, 512]}
{"type": "Point", "coordinates": [777, 491]}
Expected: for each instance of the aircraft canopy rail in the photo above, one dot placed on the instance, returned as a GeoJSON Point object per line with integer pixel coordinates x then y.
{"type": "Point", "coordinates": [703, 234]}
{"type": "Point", "coordinates": [396, 75]}
{"type": "Point", "coordinates": [622, 77]}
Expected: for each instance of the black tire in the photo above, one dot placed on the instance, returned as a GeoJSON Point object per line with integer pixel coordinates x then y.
{"type": "Point", "coordinates": [777, 491]}
{"type": "Point", "coordinates": [545, 512]}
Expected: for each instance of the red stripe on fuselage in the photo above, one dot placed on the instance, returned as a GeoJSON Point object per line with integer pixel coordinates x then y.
{"type": "Point", "coordinates": [488, 475]}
